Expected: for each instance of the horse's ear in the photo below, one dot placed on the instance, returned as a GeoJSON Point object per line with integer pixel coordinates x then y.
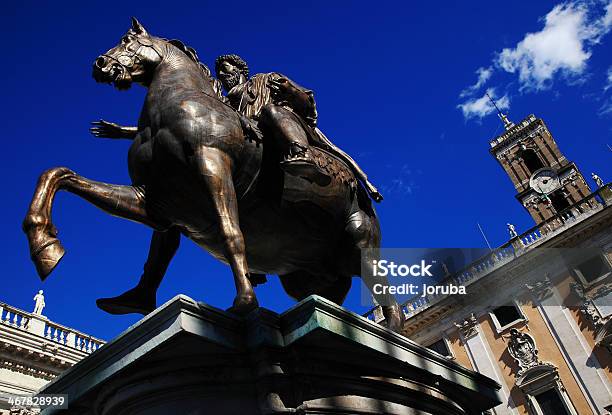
{"type": "Point", "coordinates": [138, 28]}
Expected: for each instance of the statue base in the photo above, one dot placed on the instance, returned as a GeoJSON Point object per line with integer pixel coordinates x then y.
{"type": "Point", "coordinates": [316, 358]}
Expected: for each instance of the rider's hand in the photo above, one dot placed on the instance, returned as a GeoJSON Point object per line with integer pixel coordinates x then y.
{"type": "Point", "coordinates": [106, 129]}
{"type": "Point", "coordinates": [281, 90]}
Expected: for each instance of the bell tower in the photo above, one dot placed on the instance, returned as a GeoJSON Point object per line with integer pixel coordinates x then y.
{"type": "Point", "coordinates": [545, 181]}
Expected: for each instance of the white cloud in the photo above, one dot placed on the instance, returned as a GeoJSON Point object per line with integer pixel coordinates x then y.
{"type": "Point", "coordinates": [483, 76]}
{"type": "Point", "coordinates": [563, 46]}
{"type": "Point", "coordinates": [403, 184]}
{"type": "Point", "coordinates": [609, 80]}
{"type": "Point", "coordinates": [606, 21]}
{"type": "Point", "coordinates": [606, 108]}
{"type": "Point", "coordinates": [481, 107]}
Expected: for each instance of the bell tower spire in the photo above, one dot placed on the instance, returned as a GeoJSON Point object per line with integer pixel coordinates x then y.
{"type": "Point", "coordinates": [503, 117]}
{"type": "Point", "coordinates": [546, 182]}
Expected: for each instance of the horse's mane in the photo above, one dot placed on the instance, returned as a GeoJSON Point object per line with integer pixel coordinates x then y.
{"type": "Point", "coordinates": [193, 55]}
{"type": "Point", "coordinates": [190, 52]}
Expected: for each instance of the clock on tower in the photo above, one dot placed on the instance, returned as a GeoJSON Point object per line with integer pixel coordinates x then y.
{"type": "Point", "coordinates": [546, 182]}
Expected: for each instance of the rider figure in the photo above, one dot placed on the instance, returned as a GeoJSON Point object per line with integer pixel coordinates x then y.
{"type": "Point", "coordinates": [279, 107]}
{"type": "Point", "coordinates": [288, 112]}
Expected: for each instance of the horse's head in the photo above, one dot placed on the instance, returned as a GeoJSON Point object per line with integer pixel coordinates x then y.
{"type": "Point", "coordinates": [132, 60]}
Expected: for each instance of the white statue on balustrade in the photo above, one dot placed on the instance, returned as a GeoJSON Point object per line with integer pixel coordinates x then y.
{"type": "Point", "coordinates": [598, 180]}
{"type": "Point", "coordinates": [40, 303]}
{"type": "Point", "coordinates": [511, 230]}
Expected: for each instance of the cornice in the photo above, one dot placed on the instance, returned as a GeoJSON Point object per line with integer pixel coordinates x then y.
{"type": "Point", "coordinates": [520, 130]}
{"type": "Point", "coordinates": [15, 340]}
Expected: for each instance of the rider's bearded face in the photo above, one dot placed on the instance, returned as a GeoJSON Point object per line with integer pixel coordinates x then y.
{"type": "Point", "coordinates": [229, 75]}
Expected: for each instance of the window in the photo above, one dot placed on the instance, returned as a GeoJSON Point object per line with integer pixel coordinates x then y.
{"type": "Point", "coordinates": [544, 391]}
{"type": "Point", "coordinates": [550, 403]}
{"type": "Point", "coordinates": [506, 315]}
{"type": "Point", "coordinates": [532, 161]}
{"type": "Point", "coordinates": [441, 347]}
{"type": "Point", "coordinates": [559, 201]}
{"type": "Point", "coordinates": [593, 268]}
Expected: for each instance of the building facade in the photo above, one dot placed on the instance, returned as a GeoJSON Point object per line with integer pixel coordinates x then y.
{"type": "Point", "coordinates": [537, 313]}
{"type": "Point", "coordinates": [33, 351]}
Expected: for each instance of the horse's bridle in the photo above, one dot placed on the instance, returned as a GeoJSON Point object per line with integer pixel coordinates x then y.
{"type": "Point", "coordinates": [127, 60]}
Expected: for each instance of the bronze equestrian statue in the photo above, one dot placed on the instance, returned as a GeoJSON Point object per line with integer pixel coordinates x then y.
{"type": "Point", "coordinates": [200, 168]}
{"type": "Point", "coordinates": [261, 100]}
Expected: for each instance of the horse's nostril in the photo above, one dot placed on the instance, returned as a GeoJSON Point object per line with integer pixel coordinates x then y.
{"type": "Point", "coordinates": [100, 62]}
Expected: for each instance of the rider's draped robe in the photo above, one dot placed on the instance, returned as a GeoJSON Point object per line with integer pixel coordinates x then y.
{"type": "Point", "coordinates": [251, 96]}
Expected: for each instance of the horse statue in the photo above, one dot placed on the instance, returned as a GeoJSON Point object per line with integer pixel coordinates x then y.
{"type": "Point", "coordinates": [195, 173]}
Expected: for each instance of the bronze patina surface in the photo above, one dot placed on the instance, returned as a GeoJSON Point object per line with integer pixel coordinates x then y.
{"type": "Point", "coordinates": [254, 190]}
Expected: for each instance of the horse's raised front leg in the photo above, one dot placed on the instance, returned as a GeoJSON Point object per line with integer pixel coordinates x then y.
{"type": "Point", "coordinates": [45, 249]}
{"type": "Point", "coordinates": [215, 170]}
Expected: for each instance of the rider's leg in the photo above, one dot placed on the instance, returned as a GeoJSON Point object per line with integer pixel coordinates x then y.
{"type": "Point", "coordinates": [142, 298]}
{"type": "Point", "coordinates": [282, 125]}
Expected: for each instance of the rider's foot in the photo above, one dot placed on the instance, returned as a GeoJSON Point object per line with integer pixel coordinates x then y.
{"type": "Point", "coordinates": [135, 300]}
{"type": "Point", "coordinates": [300, 163]}
{"type": "Point", "coordinates": [373, 192]}
{"type": "Point", "coordinates": [376, 196]}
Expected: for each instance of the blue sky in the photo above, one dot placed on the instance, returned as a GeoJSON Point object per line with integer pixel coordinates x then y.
{"type": "Point", "coordinates": [399, 85]}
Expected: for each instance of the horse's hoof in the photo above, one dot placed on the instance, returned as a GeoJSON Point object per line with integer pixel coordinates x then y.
{"type": "Point", "coordinates": [47, 257]}
{"type": "Point", "coordinates": [244, 304]}
{"type": "Point", "coordinates": [394, 317]}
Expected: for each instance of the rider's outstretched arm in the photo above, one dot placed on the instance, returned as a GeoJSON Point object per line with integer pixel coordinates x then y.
{"type": "Point", "coordinates": [105, 129]}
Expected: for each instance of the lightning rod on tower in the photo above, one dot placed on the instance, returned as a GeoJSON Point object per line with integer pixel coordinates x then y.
{"type": "Point", "coordinates": [504, 117]}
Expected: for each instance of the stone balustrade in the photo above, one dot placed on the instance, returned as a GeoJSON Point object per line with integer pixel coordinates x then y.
{"type": "Point", "coordinates": [13, 316]}
{"type": "Point", "coordinates": [517, 246]}
{"type": "Point", "coordinates": [41, 326]}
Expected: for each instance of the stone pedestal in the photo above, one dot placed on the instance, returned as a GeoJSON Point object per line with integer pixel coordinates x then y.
{"type": "Point", "coordinates": [36, 324]}
{"type": "Point", "coordinates": [316, 358]}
